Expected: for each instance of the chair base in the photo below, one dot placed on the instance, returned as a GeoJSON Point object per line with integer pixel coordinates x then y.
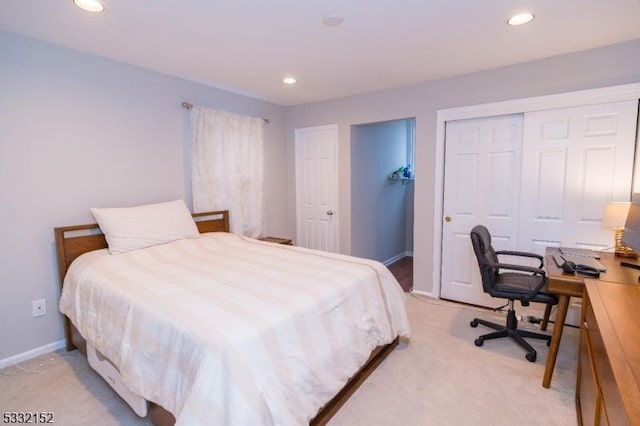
{"type": "Point", "coordinates": [510, 330]}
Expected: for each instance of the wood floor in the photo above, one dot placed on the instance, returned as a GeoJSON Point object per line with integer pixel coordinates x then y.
{"type": "Point", "coordinates": [402, 269]}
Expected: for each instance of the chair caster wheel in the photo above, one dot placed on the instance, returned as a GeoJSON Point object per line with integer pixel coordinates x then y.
{"type": "Point", "coordinates": [474, 324]}
{"type": "Point", "coordinates": [531, 357]}
{"type": "Point", "coordinates": [479, 342]}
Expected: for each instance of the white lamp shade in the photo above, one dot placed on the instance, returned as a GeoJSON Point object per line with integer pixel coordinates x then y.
{"type": "Point", "coordinates": [615, 214]}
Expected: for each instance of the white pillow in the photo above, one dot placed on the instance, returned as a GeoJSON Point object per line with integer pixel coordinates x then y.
{"type": "Point", "coordinates": [134, 228]}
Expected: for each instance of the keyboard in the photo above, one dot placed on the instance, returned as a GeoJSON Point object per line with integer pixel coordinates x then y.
{"type": "Point", "coordinates": [579, 252]}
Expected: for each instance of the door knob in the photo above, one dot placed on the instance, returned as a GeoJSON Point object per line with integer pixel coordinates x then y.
{"type": "Point", "coordinates": [447, 219]}
{"type": "Point", "coordinates": [329, 212]}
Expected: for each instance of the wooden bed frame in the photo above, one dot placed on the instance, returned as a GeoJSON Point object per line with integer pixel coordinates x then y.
{"type": "Point", "coordinates": [73, 241]}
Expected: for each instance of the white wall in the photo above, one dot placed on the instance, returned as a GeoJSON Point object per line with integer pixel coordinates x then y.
{"type": "Point", "coordinates": [78, 131]}
{"type": "Point", "coordinates": [607, 66]}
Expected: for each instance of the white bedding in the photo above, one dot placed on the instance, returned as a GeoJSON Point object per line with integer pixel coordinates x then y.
{"type": "Point", "coordinates": [227, 330]}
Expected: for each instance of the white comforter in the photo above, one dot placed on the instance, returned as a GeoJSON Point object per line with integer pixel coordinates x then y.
{"type": "Point", "coordinates": [226, 330]}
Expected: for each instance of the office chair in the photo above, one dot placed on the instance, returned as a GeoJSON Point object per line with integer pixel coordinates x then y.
{"type": "Point", "coordinates": [511, 282]}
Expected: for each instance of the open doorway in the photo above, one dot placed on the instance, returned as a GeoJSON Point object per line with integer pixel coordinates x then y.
{"type": "Point", "coordinates": [382, 195]}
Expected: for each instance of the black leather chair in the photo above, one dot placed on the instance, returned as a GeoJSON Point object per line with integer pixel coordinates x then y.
{"type": "Point", "coordinates": [511, 282]}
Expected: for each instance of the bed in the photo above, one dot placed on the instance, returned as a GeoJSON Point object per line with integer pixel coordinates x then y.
{"type": "Point", "coordinates": [223, 329]}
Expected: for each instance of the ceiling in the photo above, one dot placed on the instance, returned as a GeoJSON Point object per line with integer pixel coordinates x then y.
{"type": "Point", "coordinates": [249, 46]}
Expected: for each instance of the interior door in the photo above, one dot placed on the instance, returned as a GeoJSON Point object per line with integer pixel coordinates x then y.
{"type": "Point", "coordinates": [317, 187]}
{"type": "Point", "coordinates": [481, 186]}
{"type": "Point", "coordinates": [576, 160]}
{"type": "Point", "coordinates": [564, 168]}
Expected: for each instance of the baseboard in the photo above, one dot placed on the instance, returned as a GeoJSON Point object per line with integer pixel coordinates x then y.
{"type": "Point", "coordinates": [397, 257]}
{"type": "Point", "coordinates": [24, 356]}
{"type": "Point", "coordinates": [423, 293]}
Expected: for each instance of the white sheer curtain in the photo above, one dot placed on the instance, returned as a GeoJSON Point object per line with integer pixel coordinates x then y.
{"type": "Point", "coordinates": [227, 167]}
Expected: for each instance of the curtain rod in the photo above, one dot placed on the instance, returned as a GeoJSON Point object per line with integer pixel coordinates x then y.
{"type": "Point", "coordinates": [187, 105]}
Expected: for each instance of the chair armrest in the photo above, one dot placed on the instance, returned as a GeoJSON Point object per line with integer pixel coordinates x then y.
{"type": "Point", "coordinates": [521, 254]}
{"type": "Point", "coordinates": [521, 268]}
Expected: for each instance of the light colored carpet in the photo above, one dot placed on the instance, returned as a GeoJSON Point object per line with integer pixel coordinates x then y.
{"type": "Point", "coordinates": [439, 378]}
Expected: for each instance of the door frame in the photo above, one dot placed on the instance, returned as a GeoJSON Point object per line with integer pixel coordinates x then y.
{"type": "Point", "coordinates": [562, 100]}
{"type": "Point", "coordinates": [334, 191]}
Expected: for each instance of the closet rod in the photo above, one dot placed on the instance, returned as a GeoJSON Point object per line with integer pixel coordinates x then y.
{"type": "Point", "coordinates": [187, 105]}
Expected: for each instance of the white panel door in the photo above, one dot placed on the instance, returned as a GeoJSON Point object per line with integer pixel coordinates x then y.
{"type": "Point", "coordinates": [575, 160]}
{"type": "Point", "coordinates": [317, 187]}
{"type": "Point", "coordinates": [482, 181]}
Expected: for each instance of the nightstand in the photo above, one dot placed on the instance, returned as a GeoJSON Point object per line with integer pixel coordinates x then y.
{"type": "Point", "coordinates": [277, 240]}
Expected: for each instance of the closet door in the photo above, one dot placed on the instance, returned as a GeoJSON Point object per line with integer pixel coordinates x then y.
{"type": "Point", "coordinates": [575, 160]}
{"type": "Point", "coordinates": [481, 186]}
{"type": "Point", "coordinates": [535, 180]}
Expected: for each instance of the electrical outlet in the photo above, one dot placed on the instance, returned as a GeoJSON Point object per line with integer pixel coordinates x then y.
{"type": "Point", "coordinates": [39, 308]}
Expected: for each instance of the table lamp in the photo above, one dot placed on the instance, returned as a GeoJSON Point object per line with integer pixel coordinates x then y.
{"type": "Point", "coordinates": [615, 216]}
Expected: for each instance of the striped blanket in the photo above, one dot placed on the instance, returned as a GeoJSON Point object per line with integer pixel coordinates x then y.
{"type": "Point", "coordinates": [228, 330]}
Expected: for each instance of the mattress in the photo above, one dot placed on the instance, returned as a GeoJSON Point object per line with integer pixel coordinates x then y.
{"type": "Point", "coordinates": [223, 329]}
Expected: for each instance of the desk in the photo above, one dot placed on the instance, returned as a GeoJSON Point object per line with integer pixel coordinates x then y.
{"type": "Point", "coordinates": [566, 286]}
{"type": "Point", "coordinates": [608, 377]}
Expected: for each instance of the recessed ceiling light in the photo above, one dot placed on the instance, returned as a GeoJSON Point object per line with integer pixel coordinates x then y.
{"type": "Point", "coordinates": [89, 5]}
{"type": "Point", "coordinates": [289, 80]}
{"type": "Point", "coordinates": [521, 18]}
{"type": "Point", "coordinates": [332, 20]}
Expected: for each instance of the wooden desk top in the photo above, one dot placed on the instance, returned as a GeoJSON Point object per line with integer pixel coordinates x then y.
{"type": "Point", "coordinates": [616, 308]}
{"type": "Point", "coordinates": [573, 285]}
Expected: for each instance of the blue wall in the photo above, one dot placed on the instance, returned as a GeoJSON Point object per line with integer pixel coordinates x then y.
{"type": "Point", "coordinates": [380, 225]}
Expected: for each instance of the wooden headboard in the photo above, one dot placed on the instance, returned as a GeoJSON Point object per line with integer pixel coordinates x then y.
{"type": "Point", "coordinates": [72, 241]}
